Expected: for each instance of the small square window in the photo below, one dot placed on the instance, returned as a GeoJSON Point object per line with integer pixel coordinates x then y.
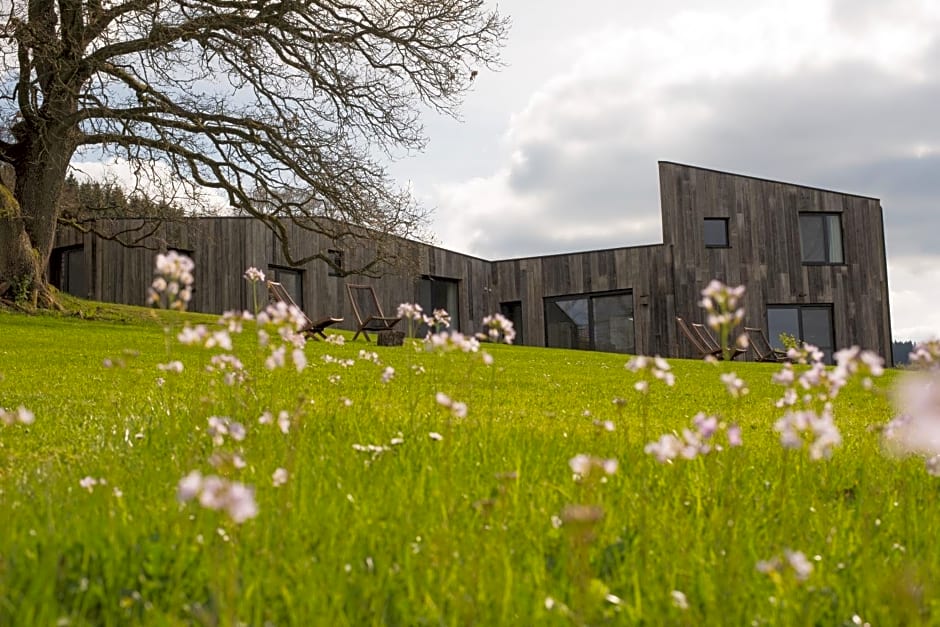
{"type": "Point", "coordinates": [716, 233]}
{"type": "Point", "coordinates": [821, 238]}
{"type": "Point", "coordinates": [336, 263]}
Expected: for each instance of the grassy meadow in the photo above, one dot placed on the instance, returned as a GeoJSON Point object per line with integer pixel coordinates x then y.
{"type": "Point", "coordinates": [445, 520]}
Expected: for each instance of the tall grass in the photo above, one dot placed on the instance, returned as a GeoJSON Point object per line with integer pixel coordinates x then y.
{"type": "Point", "coordinates": [472, 527]}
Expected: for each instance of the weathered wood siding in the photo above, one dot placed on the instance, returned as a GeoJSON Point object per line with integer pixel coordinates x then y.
{"type": "Point", "coordinates": [765, 254]}
{"type": "Point", "coordinates": [643, 269]}
{"type": "Point", "coordinates": [222, 248]}
{"type": "Point", "coordinates": [665, 279]}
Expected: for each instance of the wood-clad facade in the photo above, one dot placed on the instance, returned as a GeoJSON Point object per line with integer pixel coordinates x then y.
{"type": "Point", "coordinates": [765, 252]}
{"type": "Point", "coordinates": [808, 257]}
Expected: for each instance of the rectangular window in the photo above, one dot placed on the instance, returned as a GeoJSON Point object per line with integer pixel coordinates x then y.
{"type": "Point", "coordinates": [716, 233]}
{"type": "Point", "coordinates": [512, 311]}
{"type": "Point", "coordinates": [336, 263]}
{"type": "Point", "coordinates": [601, 322]}
{"type": "Point", "coordinates": [821, 238]}
{"type": "Point", "coordinates": [292, 280]}
{"type": "Point", "coordinates": [807, 323]}
{"type": "Point", "coordinates": [67, 270]}
{"type": "Point", "coordinates": [439, 293]}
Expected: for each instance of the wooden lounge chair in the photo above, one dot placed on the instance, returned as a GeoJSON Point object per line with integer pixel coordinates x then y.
{"type": "Point", "coordinates": [709, 341]}
{"type": "Point", "coordinates": [369, 314]}
{"type": "Point", "coordinates": [696, 341]}
{"type": "Point", "coordinates": [312, 328]}
{"type": "Point", "coordinates": [762, 347]}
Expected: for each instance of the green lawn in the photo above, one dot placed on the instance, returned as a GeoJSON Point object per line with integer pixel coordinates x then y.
{"type": "Point", "coordinates": [461, 530]}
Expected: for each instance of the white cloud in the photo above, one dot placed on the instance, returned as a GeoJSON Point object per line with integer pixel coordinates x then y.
{"type": "Point", "coordinates": [915, 311]}
{"type": "Point", "coordinates": [837, 94]}
{"type": "Point", "coordinates": [153, 180]}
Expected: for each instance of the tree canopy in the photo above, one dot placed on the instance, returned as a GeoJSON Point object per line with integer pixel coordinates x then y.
{"type": "Point", "coordinates": [289, 108]}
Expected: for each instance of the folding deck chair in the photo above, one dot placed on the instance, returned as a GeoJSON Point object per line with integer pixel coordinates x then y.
{"type": "Point", "coordinates": [312, 328]}
{"type": "Point", "coordinates": [369, 314]}
{"type": "Point", "coordinates": [703, 341]}
{"type": "Point", "coordinates": [762, 347]}
{"type": "Point", "coordinates": [696, 341]}
{"type": "Point", "coordinates": [709, 340]}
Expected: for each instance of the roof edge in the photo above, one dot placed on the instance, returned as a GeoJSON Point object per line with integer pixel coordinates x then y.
{"type": "Point", "coordinates": [767, 180]}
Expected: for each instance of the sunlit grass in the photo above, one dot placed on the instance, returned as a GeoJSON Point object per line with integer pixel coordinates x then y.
{"type": "Point", "coordinates": [458, 530]}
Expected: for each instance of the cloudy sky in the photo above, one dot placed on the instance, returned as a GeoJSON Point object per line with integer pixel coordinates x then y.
{"type": "Point", "coordinates": [558, 151]}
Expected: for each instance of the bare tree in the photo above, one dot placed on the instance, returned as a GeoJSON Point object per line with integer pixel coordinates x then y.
{"type": "Point", "coordinates": [294, 101]}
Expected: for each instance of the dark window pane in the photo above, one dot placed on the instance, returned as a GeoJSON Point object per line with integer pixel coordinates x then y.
{"type": "Point", "coordinates": [566, 324]}
{"type": "Point", "coordinates": [513, 312]}
{"type": "Point", "coordinates": [613, 323]}
{"type": "Point", "coordinates": [336, 258]}
{"type": "Point", "coordinates": [74, 272]}
{"type": "Point", "coordinates": [437, 293]}
{"type": "Point", "coordinates": [817, 327]}
{"type": "Point", "coordinates": [292, 282]}
{"type": "Point", "coordinates": [716, 232]}
{"type": "Point", "coordinates": [812, 238]}
{"type": "Point", "coordinates": [782, 320]}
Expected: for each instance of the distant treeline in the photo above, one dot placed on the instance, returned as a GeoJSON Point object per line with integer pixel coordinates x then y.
{"type": "Point", "coordinates": [901, 351]}
{"type": "Point", "coordinates": [92, 199]}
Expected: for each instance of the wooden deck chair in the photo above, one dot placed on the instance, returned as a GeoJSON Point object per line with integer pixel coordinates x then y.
{"type": "Point", "coordinates": [696, 341]}
{"type": "Point", "coordinates": [312, 328]}
{"type": "Point", "coordinates": [709, 341]}
{"type": "Point", "coordinates": [367, 310]}
{"type": "Point", "coordinates": [762, 347]}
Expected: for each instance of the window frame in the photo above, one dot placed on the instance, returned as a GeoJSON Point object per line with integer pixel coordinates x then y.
{"type": "Point", "coordinates": [59, 265]}
{"type": "Point", "coordinates": [338, 258]}
{"type": "Point", "coordinates": [517, 325]}
{"type": "Point", "coordinates": [590, 297]}
{"type": "Point", "coordinates": [431, 279]}
{"type": "Point", "coordinates": [274, 272]}
{"type": "Point", "coordinates": [800, 308]}
{"type": "Point", "coordinates": [826, 234]}
{"type": "Point", "coordinates": [725, 223]}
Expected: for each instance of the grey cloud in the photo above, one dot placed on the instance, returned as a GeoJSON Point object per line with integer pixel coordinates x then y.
{"type": "Point", "coordinates": [589, 147]}
{"type": "Point", "coordinates": [850, 128]}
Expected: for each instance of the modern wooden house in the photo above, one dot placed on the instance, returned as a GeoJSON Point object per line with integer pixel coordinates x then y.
{"type": "Point", "coordinates": [813, 262]}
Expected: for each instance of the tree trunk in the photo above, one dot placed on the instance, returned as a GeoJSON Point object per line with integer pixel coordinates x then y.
{"type": "Point", "coordinates": [21, 277]}
{"type": "Point", "coordinates": [28, 218]}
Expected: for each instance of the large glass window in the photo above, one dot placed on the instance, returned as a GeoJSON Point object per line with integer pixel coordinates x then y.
{"type": "Point", "coordinates": [591, 322]}
{"type": "Point", "coordinates": [716, 233]}
{"type": "Point", "coordinates": [807, 323]}
{"type": "Point", "coordinates": [67, 270]}
{"type": "Point", "coordinates": [293, 283]}
{"type": "Point", "coordinates": [567, 323]}
{"type": "Point", "coordinates": [439, 293]}
{"type": "Point", "coordinates": [513, 312]}
{"type": "Point", "coordinates": [821, 237]}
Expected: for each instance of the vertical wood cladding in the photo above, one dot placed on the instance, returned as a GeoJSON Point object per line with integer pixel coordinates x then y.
{"type": "Point", "coordinates": [642, 269]}
{"type": "Point", "coordinates": [222, 248]}
{"type": "Point", "coordinates": [665, 279]}
{"type": "Point", "coordinates": [765, 253]}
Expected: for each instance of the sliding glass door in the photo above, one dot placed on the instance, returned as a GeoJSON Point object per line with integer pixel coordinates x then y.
{"type": "Point", "coordinates": [601, 322]}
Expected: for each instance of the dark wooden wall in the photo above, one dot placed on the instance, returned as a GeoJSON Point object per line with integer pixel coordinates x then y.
{"type": "Point", "coordinates": [765, 254]}
{"type": "Point", "coordinates": [222, 248]}
{"type": "Point", "coordinates": [642, 269]}
{"type": "Point", "coordinates": [665, 279]}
